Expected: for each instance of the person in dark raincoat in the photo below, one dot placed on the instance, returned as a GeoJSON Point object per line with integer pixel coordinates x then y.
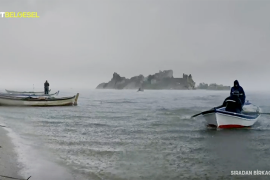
{"type": "Point", "coordinates": [46, 87]}
{"type": "Point", "coordinates": [232, 103]}
{"type": "Point", "coordinates": [241, 91]}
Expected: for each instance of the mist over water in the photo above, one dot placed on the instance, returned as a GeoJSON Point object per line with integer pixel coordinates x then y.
{"type": "Point", "coordinates": [126, 134]}
{"type": "Point", "coordinates": [83, 43]}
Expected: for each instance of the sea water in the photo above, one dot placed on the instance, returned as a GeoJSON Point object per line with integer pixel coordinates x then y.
{"type": "Point", "coordinates": [124, 134]}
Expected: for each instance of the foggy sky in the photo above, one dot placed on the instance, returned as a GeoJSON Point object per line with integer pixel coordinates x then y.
{"type": "Point", "coordinates": [79, 44]}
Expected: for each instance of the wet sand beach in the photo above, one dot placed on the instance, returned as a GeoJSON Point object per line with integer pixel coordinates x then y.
{"type": "Point", "coordinates": [8, 158]}
{"type": "Point", "coordinates": [38, 166]}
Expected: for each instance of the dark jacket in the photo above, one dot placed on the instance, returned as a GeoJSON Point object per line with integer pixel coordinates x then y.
{"type": "Point", "coordinates": [46, 85]}
{"type": "Point", "coordinates": [233, 104]}
{"type": "Point", "coordinates": [242, 95]}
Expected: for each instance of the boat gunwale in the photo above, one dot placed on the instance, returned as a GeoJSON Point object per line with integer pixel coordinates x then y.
{"type": "Point", "coordinates": [25, 92]}
{"type": "Point", "coordinates": [35, 99]}
{"type": "Point", "coordinates": [25, 95]}
{"type": "Point", "coordinates": [237, 115]}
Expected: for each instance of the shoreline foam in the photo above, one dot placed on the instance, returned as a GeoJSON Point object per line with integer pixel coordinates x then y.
{"type": "Point", "coordinates": [9, 165]}
{"type": "Point", "coordinates": [36, 162]}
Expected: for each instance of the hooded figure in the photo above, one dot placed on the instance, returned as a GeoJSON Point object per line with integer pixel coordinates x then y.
{"type": "Point", "coordinates": [241, 91]}
{"type": "Point", "coordinates": [46, 87]}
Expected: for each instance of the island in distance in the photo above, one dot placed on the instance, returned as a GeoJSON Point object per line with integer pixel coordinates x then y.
{"type": "Point", "coordinates": [213, 86]}
{"type": "Point", "coordinates": [160, 80]}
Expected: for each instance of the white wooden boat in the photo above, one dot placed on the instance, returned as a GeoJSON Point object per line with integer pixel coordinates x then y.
{"type": "Point", "coordinates": [27, 95]}
{"type": "Point", "coordinates": [221, 118]}
{"type": "Point", "coordinates": [25, 92]}
{"type": "Point", "coordinates": [38, 101]}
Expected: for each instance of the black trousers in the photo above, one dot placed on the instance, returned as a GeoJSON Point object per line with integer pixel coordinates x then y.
{"type": "Point", "coordinates": [46, 90]}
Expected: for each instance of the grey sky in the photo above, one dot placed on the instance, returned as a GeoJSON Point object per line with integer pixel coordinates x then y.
{"type": "Point", "coordinates": [82, 43]}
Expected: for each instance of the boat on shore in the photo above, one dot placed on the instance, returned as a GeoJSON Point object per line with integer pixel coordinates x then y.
{"type": "Point", "coordinates": [26, 92]}
{"type": "Point", "coordinates": [220, 118]}
{"type": "Point", "coordinates": [38, 101]}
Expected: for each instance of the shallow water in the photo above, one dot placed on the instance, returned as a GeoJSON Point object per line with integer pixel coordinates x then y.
{"type": "Point", "coordinates": [126, 134]}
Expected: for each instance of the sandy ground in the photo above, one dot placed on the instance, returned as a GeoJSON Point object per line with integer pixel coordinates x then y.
{"type": "Point", "coordinates": [8, 158]}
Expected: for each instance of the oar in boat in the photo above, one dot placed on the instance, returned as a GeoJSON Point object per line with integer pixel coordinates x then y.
{"type": "Point", "coordinates": [253, 113]}
{"type": "Point", "coordinates": [211, 110]}
{"type": "Point", "coordinates": [208, 111]}
{"type": "Point", "coordinates": [265, 113]}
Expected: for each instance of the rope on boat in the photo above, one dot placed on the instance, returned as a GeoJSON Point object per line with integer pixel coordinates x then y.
{"type": "Point", "coordinates": [13, 177]}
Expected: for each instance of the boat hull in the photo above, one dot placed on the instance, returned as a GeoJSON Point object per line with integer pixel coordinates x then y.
{"type": "Point", "coordinates": [222, 120]}
{"type": "Point", "coordinates": [211, 119]}
{"type": "Point", "coordinates": [39, 101]}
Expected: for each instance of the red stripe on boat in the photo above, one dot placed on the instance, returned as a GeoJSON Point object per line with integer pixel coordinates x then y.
{"type": "Point", "coordinates": [233, 126]}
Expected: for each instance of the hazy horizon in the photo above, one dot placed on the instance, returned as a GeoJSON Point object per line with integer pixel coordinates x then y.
{"type": "Point", "coordinates": [80, 44]}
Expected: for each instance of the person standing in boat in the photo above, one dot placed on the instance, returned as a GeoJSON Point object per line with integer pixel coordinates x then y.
{"type": "Point", "coordinates": [241, 91]}
{"type": "Point", "coordinates": [46, 87]}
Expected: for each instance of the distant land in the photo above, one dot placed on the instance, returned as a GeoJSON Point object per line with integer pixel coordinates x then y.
{"type": "Point", "coordinates": [160, 80]}
{"type": "Point", "coordinates": [212, 86]}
